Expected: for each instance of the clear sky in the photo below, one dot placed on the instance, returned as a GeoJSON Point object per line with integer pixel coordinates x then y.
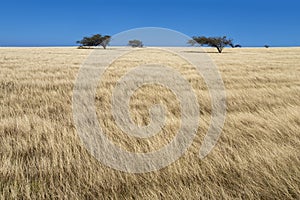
{"type": "Point", "coordinates": [63, 22]}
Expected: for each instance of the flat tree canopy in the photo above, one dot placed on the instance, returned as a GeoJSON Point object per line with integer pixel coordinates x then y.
{"type": "Point", "coordinates": [217, 42]}
{"type": "Point", "coordinates": [95, 40]}
{"type": "Point", "coordinates": [135, 43]}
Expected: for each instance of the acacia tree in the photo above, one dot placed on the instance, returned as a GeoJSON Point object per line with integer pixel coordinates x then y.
{"type": "Point", "coordinates": [95, 40]}
{"type": "Point", "coordinates": [135, 43]}
{"type": "Point", "coordinates": [218, 42]}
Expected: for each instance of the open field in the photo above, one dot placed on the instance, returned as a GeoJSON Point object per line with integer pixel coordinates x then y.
{"type": "Point", "coordinates": [257, 156]}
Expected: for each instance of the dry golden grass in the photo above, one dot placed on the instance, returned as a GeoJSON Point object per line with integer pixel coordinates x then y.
{"type": "Point", "coordinates": [257, 156]}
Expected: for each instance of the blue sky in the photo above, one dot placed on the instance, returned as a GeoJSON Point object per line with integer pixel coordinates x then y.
{"type": "Point", "coordinates": [63, 22]}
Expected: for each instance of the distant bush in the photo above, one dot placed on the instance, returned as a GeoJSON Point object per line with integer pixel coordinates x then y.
{"type": "Point", "coordinates": [135, 43]}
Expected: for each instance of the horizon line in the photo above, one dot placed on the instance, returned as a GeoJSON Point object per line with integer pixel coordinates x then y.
{"type": "Point", "coordinates": [249, 46]}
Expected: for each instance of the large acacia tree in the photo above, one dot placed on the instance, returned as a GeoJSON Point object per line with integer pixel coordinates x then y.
{"type": "Point", "coordinates": [95, 40]}
{"type": "Point", "coordinates": [217, 42]}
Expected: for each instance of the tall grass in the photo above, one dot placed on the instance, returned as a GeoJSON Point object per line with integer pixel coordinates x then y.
{"type": "Point", "coordinates": [256, 157]}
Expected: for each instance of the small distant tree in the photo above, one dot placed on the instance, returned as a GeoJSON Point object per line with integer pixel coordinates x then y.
{"type": "Point", "coordinates": [135, 43]}
{"type": "Point", "coordinates": [266, 46]}
{"type": "Point", "coordinates": [218, 42]}
{"type": "Point", "coordinates": [95, 40]}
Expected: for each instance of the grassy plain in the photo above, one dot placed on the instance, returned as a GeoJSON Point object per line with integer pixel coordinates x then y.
{"type": "Point", "coordinates": [257, 156]}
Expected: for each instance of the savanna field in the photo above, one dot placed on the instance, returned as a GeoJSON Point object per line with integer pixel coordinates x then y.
{"type": "Point", "coordinates": [256, 157]}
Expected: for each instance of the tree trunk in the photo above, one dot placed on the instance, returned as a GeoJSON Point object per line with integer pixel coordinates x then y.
{"type": "Point", "coordinates": [220, 49]}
